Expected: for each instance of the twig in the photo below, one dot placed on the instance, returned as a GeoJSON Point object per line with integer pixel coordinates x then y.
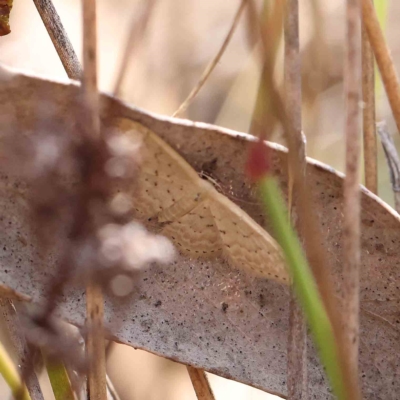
{"type": "Point", "coordinates": [59, 37]}
{"type": "Point", "coordinates": [11, 320]}
{"type": "Point", "coordinates": [138, 28]}
{"type": "Point", "coordinates": [200, 383]}
{"type": "Point", "coordinates": [393, 160]}
{"type": "Point", "coordinates": [213, 63]}
{"type": "Point", "coordinates": [95, 342]}
{"type": "Point", "coordinates": [383, 58]}
{"type": "Point", "coordinates": [95, 346]}
{"type": "Point", "coordinates": [309, 227]}
{"type": "Point", "coordinates": [297, 380]}
{"type": "Point", "coordinates": [369, 126]}
{"type": "Point", "coordinates": [351, 206]}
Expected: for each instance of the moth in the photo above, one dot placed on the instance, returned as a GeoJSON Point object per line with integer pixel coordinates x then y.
{"type": "Point", "coordinates": [200, 221]}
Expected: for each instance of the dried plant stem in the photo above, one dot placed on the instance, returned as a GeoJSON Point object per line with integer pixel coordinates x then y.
{"type": "Point", "coordinates": [369, 123]}
{"type": "Point", "coordinates": [89, 75]}
{"type": "Point", "coordinates": [200, 383]}
{"type": "Point", "coordinates": [59, 37]}
{"type": "Point", "coordinates": [11, 321]}
{"type": "Point", "coordinates": [351, 207]}
{"type": "Point", "coordinates": [297, 382]}
{"type": "Point", "coordinates": [138, 28]}
{"type": "Point", "coordinates": [95, 345]}
{"type": "Point", "coordinates": [95, 342]}
{"type": "Point", "coordinates": [309, 227]}
{"type": "Point", "coordinates": [383, 58]}
{"type": "Point", "coordinates": [393, 160]}
{"type": "Point", "coordinates": [213, 63]}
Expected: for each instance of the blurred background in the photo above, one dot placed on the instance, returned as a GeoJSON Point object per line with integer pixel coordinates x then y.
{"type": "Point", "coordinates": [182, 37]}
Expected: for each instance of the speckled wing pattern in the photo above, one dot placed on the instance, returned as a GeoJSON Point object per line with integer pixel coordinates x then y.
{"type": "Point", "coordinates": [201, 222]}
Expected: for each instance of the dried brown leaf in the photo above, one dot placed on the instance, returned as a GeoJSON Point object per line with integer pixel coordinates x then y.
{"type": "Point", "coordinates": [207, 314]}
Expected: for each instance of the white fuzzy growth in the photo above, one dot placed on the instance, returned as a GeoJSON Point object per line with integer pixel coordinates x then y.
{"type": "Point", "coordinates": [133, 247]}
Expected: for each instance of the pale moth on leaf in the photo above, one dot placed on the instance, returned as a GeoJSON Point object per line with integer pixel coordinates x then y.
{"type": "Point", "coordinates": [201, 222]}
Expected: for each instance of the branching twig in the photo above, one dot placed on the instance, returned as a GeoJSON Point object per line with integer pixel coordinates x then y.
{"type": "Point", "coordinates": [297, 381]}
{"type": "Point", "coordinates": [393, 160]}
{"type": "Point", "coordinates": [369, 126]}
{"type": "Point", "coordinates": [383, 58]}
{"type": "Point", "coordinates": [59, 37]}
{"type": "Point", "coordinates": [95, 346]}
{"type": "Point", "coordinates": [213, 63]}
{"type": "Point", "coordinates": [351, 207]}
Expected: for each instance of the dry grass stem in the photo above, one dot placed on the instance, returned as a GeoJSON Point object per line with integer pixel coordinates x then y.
{"type": "Point", "coordinates": [369, 123]}
{"type": "Point", "coordinates": [95, 345]}
{"type": "Point", "coordinates": [310, 229]}
{"type": "Point", "coordinates": [89, 75]}
{"type": "Point", "coordinates": [297, 381]}
{"type": "Point", "coordinates": [383, 58]}
{"type": "Point", "coordinates": [213, 63]}
{"type": "Point", "coordinates": [393, 160]}
{"type": "Point", "coordinates": [351, 205]}
{"type": "Point", "coordinates": [138, 28]}
{"type": "Point", "coordinates": [95, 342]}
{"type": "Point", "coordinates": [59, 37]}
{"type": "Point", "coordinates": [200, 383]}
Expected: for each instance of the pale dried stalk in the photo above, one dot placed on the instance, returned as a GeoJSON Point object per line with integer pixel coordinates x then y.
{"type": "Point", "coordinates": [316, 255]}
{"type": "Point", "coordinates": [213, 63]}
{"type": "Point", "coordinates": [59, 37]}
{"type": "Point", "coordinates": [95, 345]}
{"type": "Point", "coordinates": [111, 391]}
{"type": "Point", "coordinates": [369, 123]}
{"type": "Point", "coordinates": [200, 384]}
{"type": "Point", "coordinates": [273, 31]}
{"type": "Point", "coordinates": [383, 58]}
{"type": "Point", "coordinates": [11, 321]}
{"type": "Point", "coordinates": [351, 205]}
{"type": "Point", "coordinates": [393, 160]}
{"type": "Point", "coordinates": [297, 382]}
{"type": "Point", "coordinates": [138, 27]}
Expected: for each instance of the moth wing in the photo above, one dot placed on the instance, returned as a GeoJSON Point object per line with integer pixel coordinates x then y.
{"type": "Point", "coordinates": [247, 245]}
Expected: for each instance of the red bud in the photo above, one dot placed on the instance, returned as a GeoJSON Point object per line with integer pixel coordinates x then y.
{"type": "Point", "coordinates": [258, 161]}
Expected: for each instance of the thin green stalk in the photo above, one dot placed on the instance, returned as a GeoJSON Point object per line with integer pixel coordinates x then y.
{"type": "Point", "coordinates": [11, 376]}
{"type": "Point", "coordinates": [59, 380]}
{"type": "Point", "coordinates": [304, 283]}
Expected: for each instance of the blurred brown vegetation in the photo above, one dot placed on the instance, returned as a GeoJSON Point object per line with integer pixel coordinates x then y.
{"type": "Point", "coordinates": [183, 35]}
